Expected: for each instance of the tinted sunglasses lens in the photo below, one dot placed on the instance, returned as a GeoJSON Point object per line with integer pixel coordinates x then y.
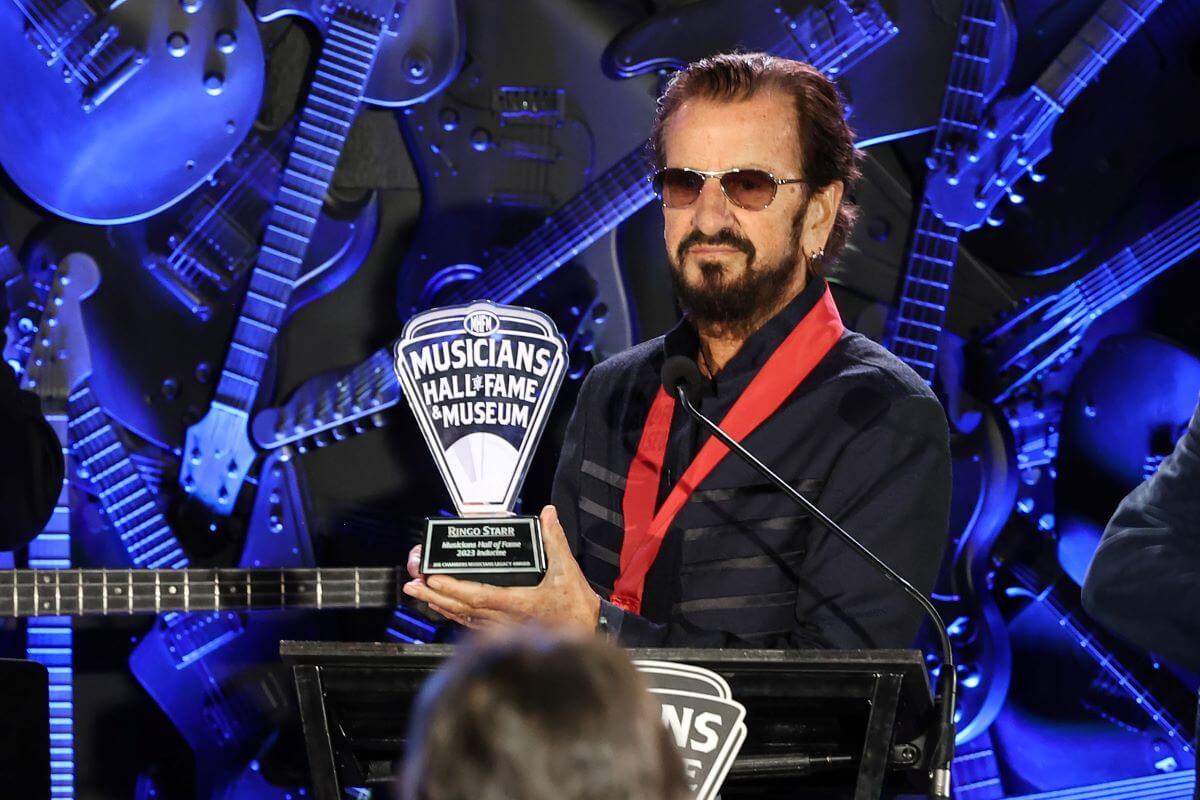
{"type": "Point", "coordinates": [678, 188]}
{"type": "Point", "coordinates": [749, 188]}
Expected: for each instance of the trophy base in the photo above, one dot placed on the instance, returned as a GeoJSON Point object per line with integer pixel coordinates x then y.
{"type": "Point", "coordinates": [501, 551]}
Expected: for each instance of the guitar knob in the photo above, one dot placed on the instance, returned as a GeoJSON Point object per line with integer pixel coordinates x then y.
{"type": "Point", "coordinates": [191, 6]}
{"type": "Point", "coordinates": [177, 44]}
{"type": "Point", "coordinates": [226, 41]}
{"type": "Point", "coordinates": [214, 83]}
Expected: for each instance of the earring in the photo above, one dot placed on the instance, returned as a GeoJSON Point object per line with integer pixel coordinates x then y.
{"type": "Point", "coordinates": [817, 254]}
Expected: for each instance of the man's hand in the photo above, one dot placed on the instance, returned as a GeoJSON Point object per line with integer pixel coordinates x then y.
{"type": "Point", "coordinates": [563, 597]}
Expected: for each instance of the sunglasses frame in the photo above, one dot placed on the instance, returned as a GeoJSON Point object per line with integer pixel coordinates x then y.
{"type": "Point", "coordinates": [720, 174]}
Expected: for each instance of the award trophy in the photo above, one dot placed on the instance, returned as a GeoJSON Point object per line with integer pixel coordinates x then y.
{"type": "Point", "coordinates": [481, 379]}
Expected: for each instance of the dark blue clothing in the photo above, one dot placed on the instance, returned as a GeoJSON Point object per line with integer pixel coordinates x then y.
{"type": "Point", "coordinates": [742, 566]}
{"type": "Point", "coordinates": [31, 461]}
{"type": "Point", "coordinates": [1144, 580]}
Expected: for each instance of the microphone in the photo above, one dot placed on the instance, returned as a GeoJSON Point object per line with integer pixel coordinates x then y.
{"type": "Point", "coordinates": [681, 377]}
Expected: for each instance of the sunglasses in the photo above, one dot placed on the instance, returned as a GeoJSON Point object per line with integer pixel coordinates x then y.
{"type": "Point", "coordinates": [751, 189]}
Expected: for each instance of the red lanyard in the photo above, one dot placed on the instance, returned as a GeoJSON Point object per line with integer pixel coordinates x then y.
{"type": "Point", "coordinates": [778, 378]}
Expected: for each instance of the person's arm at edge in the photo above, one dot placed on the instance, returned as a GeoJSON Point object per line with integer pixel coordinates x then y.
{"type": "Point", "coordinates": [1144, 579]}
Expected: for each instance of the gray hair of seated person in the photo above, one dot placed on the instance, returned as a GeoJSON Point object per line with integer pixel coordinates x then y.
{"type": "Point", "coordinates": [536, 715]}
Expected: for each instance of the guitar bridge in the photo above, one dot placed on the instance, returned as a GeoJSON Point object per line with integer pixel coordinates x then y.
{"type": "Point", "coordinates": [88, 49]}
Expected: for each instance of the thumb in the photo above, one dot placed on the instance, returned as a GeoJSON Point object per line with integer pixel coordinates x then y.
{"type": "Point", "coordinates": [554, 538]}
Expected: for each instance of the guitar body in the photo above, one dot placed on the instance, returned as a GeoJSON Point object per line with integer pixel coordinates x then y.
{"type": "Point", "coordinates": [154, 131]}
{"type": "Point", "coordinates": [912, 65]}
{"type": "Point", "coordinates": [496, 155]}
{"type": "Point", "coordinates": [414, 63]}
{"type": "Point", "coordinates": [983, 497]}
{"type": "Point", "coordinates": [1115, 432]}
{"type": "Point", "coordinates": [217, 675]}
{"type": "Point", "coordinates": [156, 361]}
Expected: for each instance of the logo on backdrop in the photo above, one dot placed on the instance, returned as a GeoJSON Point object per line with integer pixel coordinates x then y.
{"type": "Point", "coordinates": [481, 380]}
{"type": "Point", "coordinates": [704, 720]}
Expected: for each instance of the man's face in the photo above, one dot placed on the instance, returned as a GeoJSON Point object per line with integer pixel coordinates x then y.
{"type": "Point", "coordinates": [731, 265]}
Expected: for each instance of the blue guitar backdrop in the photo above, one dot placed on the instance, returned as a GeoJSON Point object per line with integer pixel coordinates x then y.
{"type": "Point", "coordinates": [216, 215]}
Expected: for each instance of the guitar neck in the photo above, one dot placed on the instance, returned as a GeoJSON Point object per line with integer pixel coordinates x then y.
{"type": "Point", "coordinates": [127, 501]}
{"type": "Point", "coordinates": [925, 292]}
{"type": "Point", "coordinates": [1104, 658]}
{"type": "Point", "coordinates": [1046, 331]}
{"type": "Point", "coordinates": [333, 403]}
{"type": "Point", "coordinates": [343, 68]}
{"type": "Point", "coordinates": [837, 37]}
{"type": "Point", "coordinates": [87, 592]}
{"type": "Point", "coordinates": [1093, 47]}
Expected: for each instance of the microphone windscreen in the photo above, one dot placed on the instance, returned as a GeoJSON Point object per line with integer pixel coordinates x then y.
{"type": "Point", "coordinates": [682, 371]}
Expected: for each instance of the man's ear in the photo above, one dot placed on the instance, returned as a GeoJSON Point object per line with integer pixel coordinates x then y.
{"type": "Point", "coordinates": [822, 213]}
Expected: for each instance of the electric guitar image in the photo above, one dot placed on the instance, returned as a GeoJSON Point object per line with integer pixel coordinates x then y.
{"type": "Point", "coordinates": [189, 264]}
{"type": "Point", "coordinates": [218, 453]}
{"type": "Point", "coordinates": [1047, 330]}
{"type": "Point", "coordinates": [982, 493]}
{"type": "Point", "coordinates": [114, 110]}
{"type": "Point", "coordinates": [56, 366]}
{"type": "Point", "coordinates": [471, 141]}
{"type": "Point", "coordinates": [206, 671]}
{"type": "Point", "coordinates": [986, 166]}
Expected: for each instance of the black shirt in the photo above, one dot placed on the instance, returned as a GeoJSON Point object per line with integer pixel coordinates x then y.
{"type": "Point", "coordinates": [862, 436]}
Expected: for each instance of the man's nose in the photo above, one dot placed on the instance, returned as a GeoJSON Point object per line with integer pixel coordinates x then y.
{"type": "Point", "coordinates": [712, 211]}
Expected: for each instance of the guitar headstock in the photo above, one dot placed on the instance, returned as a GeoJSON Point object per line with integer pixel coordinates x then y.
{"type": "Point", "coordinates": [985, 169]}
{"type": "Point", "coordinates": [60, 360]}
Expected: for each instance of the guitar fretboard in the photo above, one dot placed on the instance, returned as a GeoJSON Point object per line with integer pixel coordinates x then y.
{"type": "Point", "coordinates": [345, 63]}
{"type": "Point", "coordinates": [934, 249]}
{"type": "Point", "coordinates": [124, 496]}
{"type": "Point", "coordinates": [1092, 48]}
{"type": "Point", "coordinates": [76, 592]}
{"type": "Point", "coordinates": [1049, 329]}
{"type": "Point", "coordinates": [1158, 714]}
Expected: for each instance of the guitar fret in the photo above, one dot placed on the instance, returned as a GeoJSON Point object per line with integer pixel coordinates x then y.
{"type": "Point", "coordinates": [317, 145]}
{"type": "Point", "coordinates": [262, 298]}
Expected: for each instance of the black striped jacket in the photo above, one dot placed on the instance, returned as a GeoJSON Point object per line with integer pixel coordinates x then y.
{"type": "Point", "coordinates": [742, 566]}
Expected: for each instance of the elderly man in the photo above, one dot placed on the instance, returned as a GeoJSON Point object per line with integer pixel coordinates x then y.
{"type": "Point", "coordinates": [676, 542]}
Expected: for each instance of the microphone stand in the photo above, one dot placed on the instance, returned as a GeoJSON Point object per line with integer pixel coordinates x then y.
{"type": "Point", "coordinates": [947, 687]}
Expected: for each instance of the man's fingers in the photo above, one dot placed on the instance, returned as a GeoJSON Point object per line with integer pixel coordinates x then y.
{"type": "Point", "coordinates": [472, 593]}
{"type": "Point", "coordinates": [423, 592]}
{"type": "Point", "coordinates": [554, 538]}
{"type": "Point", "coordinates": [414, 562]}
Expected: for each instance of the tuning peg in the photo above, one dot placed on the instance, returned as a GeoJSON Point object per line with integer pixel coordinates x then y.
{"type": "Point", "coordinates": [1015, 197]}
{"type": "Point", "coordinates": [1036, 177]}
{"type": "Point", "coordinates": [995, 219]}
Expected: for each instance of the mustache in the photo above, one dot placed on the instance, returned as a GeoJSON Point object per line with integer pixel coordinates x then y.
{"type": "Point", "coordinates": [722, 238]}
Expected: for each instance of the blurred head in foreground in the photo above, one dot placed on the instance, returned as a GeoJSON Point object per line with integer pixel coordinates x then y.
{"type": "Point", "coordinates": [529, 714]}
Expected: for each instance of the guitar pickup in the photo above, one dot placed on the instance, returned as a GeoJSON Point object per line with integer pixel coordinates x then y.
{"type": "Point", "coordinates": [530, 104]}
{"type": "Point", "coordinates": [104, 88]}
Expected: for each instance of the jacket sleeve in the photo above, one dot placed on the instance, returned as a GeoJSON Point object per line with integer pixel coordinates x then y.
{"type": "Point", "coordinates": [31, 462]}
{"type": "Point", "coordinates": [890, 489]}
{"type": "Point", "coordinates": [1144, 579]}
{"type": "Point", "coordinates": [564, 494]}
